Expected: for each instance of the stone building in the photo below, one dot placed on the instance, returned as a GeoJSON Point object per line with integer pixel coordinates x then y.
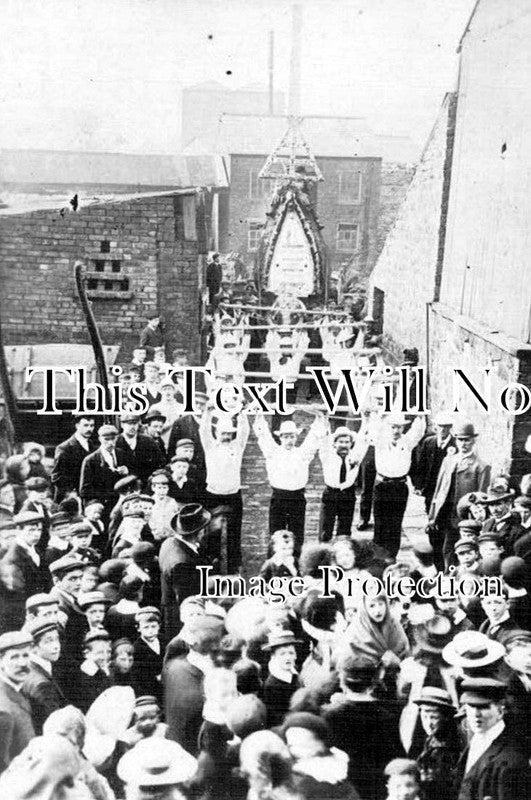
{"type": "Point", "coordinates": [141, 225]}
{"type": "Point", "coordinates": [453, 277]}
{"type": "Point", "coordinates": [348, 200]}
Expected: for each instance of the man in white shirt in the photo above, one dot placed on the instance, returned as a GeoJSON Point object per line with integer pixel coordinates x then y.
{"type": "Point", "coordinates": [491, 766]}
{"type": "Point", "coordinates": [392, 455]}
{"type": "Point", "coordinates": [339, 472]}
{"type": "Point", "coordinates": [224, 444]}
{"type": "Point", "coordinates": [288, 472]}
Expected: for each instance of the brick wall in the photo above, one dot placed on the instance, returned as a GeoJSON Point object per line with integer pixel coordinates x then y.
{"type": "Point", "coordinates": [37, 253]}
{"type": "Point", "coordinates": [243, 209]}
{"type": "Point", "coordinates": [406, 268]}
{"type": "Point", "coordinates": [457, 342]}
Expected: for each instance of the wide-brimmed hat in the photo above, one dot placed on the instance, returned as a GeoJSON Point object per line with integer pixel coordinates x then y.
{"type": "Point", "coordinates": [156, 762]}
{"type": "Point", "coordinates": [280, 639]}
{"type": "Point", "coordinates": [499, 491]}
{"type": "Point", "coordinates": [434, 634]}
{"type": "Point", "coordinates": [465, 430]}
{"type": "Point", "coordinates": [191, 519]}
{"type": "Point", "coordinates": [27, 518]}
{"type": "Point", "coordinates": [13, 640]}
{"type": "Point", "coordinates": [287, 427]}
{"type": "Point", "coordinates": [433, 696]}
{"type": "Point", "coordinates": [472, 649]}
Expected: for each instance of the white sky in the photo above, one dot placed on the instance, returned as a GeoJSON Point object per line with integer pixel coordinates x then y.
{"type": "Point", "coordinates": [107, 74]}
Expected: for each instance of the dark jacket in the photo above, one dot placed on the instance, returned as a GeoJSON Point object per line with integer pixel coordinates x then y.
{"type": "Point", "coordinates": [187, 427]}
{"type": "Point", "coordinates": [183, 702]}
{"type": "Point", "coordinates": [518, 717]}
{"type": "Point", "coordinates": [428, 457]}
{"type": "Point", "coordinates": [97, 478]}
{"type": "Point", "coordinates": [356, 727]}
{"type": "Point", "coordinates": [16, 726]}
{"type": "Point", "coordinates": [20, 578]}
{"type": "Point", "coordinates": [147, 668]}
{"type": "Point", "coordinates": [69, 456]}
{"type": "Point", "coordinates": [509, 532]}
{"type": "Point", "coordinates": [277, 696]}
{"type": "Point", "coordinates": [179, 578]}
{"type": "Point", "coordinates": [44, 694]}
{"type": "Point", "coordinates": [150, 339]}
{"type": "Point", "coordinates": [88, 688]}
{"type": "Point", "coordinates": [144, 459]}
{"type": "Point", "coordinates": [501, 773]}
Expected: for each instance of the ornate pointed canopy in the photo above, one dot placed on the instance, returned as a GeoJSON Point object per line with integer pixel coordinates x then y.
{"type": "Point", "coordinates": [291, 158]}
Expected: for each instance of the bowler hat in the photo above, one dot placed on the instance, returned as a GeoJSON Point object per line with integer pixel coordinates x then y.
{"type": "Point", "coordinates": [433, 696]}
{"type": "Point", "coordinates": [465, 430]}
{"type": "Point", "coordinates": [280, 639]}
{"type": "Point", "coordinates": [480, 691]}
{"type": "Point", "coordinates": [191, 519]}
{"type": "Point", "coordinates": [12, 640]}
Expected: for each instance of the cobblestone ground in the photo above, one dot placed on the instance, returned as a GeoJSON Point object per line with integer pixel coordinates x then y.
{"type": "Point", "coordinates": [256, 494]}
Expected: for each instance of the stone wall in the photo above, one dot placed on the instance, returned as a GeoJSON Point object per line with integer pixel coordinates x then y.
{"type": "Point", "coordinates": [395, 181]}
{"type": "Point", "coordinates": [138, 259]}
{"type": "Point", "coordinates": [407, 266]}
{"type": "Point", "coordinates": [456, 342]}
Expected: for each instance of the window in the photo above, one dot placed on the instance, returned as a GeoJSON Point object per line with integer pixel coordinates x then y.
{"type": "Point", "coordinates": [259, 188]}
{"type": "Point", "coordinates": [107, 281]}
{"type": "Point", "coordinates": [253, 235]}
{"type": "Point", "coordinates": [105, 246]}
{"type": "Point", "coordinates": [349, 187]}
{"type": "Point", "coordinates": [347, 237]}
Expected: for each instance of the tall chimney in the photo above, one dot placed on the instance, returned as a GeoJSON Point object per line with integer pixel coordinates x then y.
{"type": "Point", "coordinates": [294, 107]}
{"type": "Point", "coordinates": [271, 72]}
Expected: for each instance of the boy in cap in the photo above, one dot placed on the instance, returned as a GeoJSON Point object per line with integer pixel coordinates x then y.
{"type": "Point", "coordinates": [187, 427]}
{"type": "Point", "coordinates": [147, 654]}
{"type": "Point", "coordinates": [146, 721]}
{"type": "Point", "coordinates": [467, 553]}
{"type": "Point", "coordinates": [94, 605]}
{"type": "Point", "coordinates": [491, 765]}
{"type": "Point", "coordinates": [93, 676]}
{"type": "Point", "coordinates": [153, 425]}
{"type": "Point", "coordinates": [41, 607]}
{"type": "Point", "coordinates": [282, 681]}
{"type": "Point", "coordinates": [16, 725]}
{"type": "Point", "coordinates": [169, 407]}
{"type": "Point", "coordinates": [40, 686]}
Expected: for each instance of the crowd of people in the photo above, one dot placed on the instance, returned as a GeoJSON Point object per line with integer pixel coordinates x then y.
{"type": "Point", "coordinates": [119, 678]}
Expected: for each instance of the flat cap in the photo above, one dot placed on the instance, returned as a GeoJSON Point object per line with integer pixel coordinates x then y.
{"type": "Point", "coordinates": [97, 635]}
{"type": "Point", "coordinates": [39, 627]}
{"type": "Point", "coordinates": [91, 599]}
{"type": "Point", "coordinates": [36, 484]}
{"type": "Point", "coordinates": [469, 525]}
{"type": "Point", "coordinates": [465, 544]}
{"type": "Point", "coordinates": [81, 528]}
{"type": "Point", "coordinates": [128, 416]}
{"type": "Point", "coordinates": [65, 564]}
{"type": "Point", "coordinates": [12, 640]}
{"type": "Point", "coordinates": [147, 611]}
{"type": "Point", "coordinates": [41, 599]}
{"type": "Point", "coordinates": [108, 431]}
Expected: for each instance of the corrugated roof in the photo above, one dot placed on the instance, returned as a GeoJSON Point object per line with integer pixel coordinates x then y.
{"type": "Point", "coordinates": [247, 134]}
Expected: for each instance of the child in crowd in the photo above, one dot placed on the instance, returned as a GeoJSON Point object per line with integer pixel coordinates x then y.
{"type": "Point", "coordinates": [351, 583]}
{"type": "Point", "coordinates": [147, 654]}
{"type": "Point", "coordinates": [282, 563]}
